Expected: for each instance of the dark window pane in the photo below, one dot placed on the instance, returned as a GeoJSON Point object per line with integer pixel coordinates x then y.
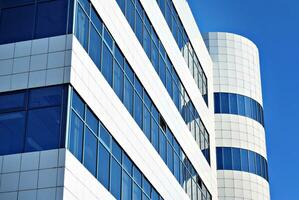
{"type": "Point", "coordinates": [162, 146]}
{"type": "Point", "coordinates": [129, 72]}
{"type": "Point", "coordinates": [78, 105]}
{"type": "Point", "coordinates": [136, 192]}
{"type": "Point", "coordinates": [10, 3]}
{"type": "Point", "coordinates": [43, 129]}
{"type": "Point", "coordinates": [176, 166]}
{"type": "Point", "coordinates": [128, 97]}
{"type": "Point", "coordinates": [127, 163]}
{"type": "Point", "coordinates": [217, 102]}
{"type": "Point", "coordinates": [233, 106]}
{"type": "Point", "coordinates": [96, 20]}
{"type": "Point", "coordinates": [219, 158]}
{"type": "Point", "coordinates": [146, 186]}
{"type": "Point", "coordinates": [85, 5]}
{"type": "Point", "coordinates": [241, 105]}
{"type": "Point", "coordinates": [139, 27]}
{"type": "Point", "coordinates": [16, 24]}
{"type": "Point", "coordinates": [224, 103]}
{"type": "Point", "coordinates": [103, 166]}
{"type": "Point", "coordinates": [119, 56]}
{"type": "Point", "coordinates": [115, 174]}
{"type": "Point", "coordinates": [12, 133]}
{"type": "Point", "coordinates": [51, 18]}
{"type": "Point", "coordinates": [236, 159]}
{"type": "Point", "coordinates": [170, 157]}
{"type": "Point", "coordinates": [105, 136]}
{"type": "Point", "coordinates": [130, 13]}
{"type": "Point", "coordinates": [92, 121]}
{"type": "Point", "coordinates": [137, 175]}
{"type": "Point", "coordinates": [121, 4]}
{"type": "Point", "coordinates": [95, 47]}
{"type": "Point", "coordinates": [90, 152]}
{"type": "Point", "coordinates": [116, 150]}
{"type": "Point", "coordinates": [162, 71]}
{"type": "Point", "coordinates": [258, 164]}
{"type": "Point", "coordinates": [118, 81]}
{"type": "Point", "coordinates": [169, 83]}
{"type": "Point", "coordinates": [76, 136]}
{"type": "Point", "coordinates": [244, 160]}
{"type": "Point", "coordinates": [227, 155]}
{"type": "Point", "coordinates": [107, 62]}
{"type": "Point", "coordinates": [251, 157]}
{"type": "Point", "coordinates": [138, 110]}
{"type": "Point", "coordinates": [138, 86]}
{"type": "Point", "coordinates": [82, 24]}
{"type": "Point", "coordinates": [154, 195]}
{"type": "Point", "coordinates": [108, 38]}
{"type": "Point", "coordinates": [248, 107]}
{"type": "Point", "coordinates": [147, 123]}
{"type": "Point", "coordinates": [126, 187]}
{"type": "Point", "coordinates": [155, 135]}
{"type": "Point", "coordinates": [40, 97]}
{"type": "Point", "coordinates": [147, 43]}
{"type": "Point", "coordinates": [15, 101]}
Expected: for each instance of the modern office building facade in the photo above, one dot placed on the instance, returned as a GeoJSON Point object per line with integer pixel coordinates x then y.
{"type": "Point", "coordinates": [106, 99]}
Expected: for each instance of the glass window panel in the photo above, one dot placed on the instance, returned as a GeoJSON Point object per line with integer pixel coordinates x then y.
{"type": "Point", "coordinates": [138, 110]}
{"type": "Point", "coordinates": [248, 107]}
{"type": "Point", "coordinates": [92, 121]}
{"type": "Point", "coordinates": [254, 109]}
{"type": "Point", "coordinates": [147, 123]}
{"type": "Point", "coordinates": [116, 150]}
{"type": "Point", "coordinates": [90, 152]}
{"type": "Point", "coordinates": [176, 166]}
{"type": "Point", "coordinates": [12, 101]}
{"type": "Point", "coordinates": [154, 195]}
{"type": "Point", "coordinates": [115, 174]}
{"type": "Point", "coordinates": [155, 113]}
{"type": "Point", "coordinates": [96, 20]}
{"type": "Point", "coordinates": [43, 129]}
{"type": "Point", "coordinates": [236, 159]}
{"type": "Point", "coordinates": [85, 5]}
{"type": "Point", "coordinates": [126, 187]}
{"type": "Point", "coordinates": [217, 102]}
{"type": "Point", "coordinates": [251, 158]}
{"type": "Point", "coordinates": [155, 57]}
{"type": "Point", "coordinates": [138, 86]}
{"type": "Point", "coordinates": [128, 96]}
{"type": "Point", "coordinates": [107, 62]}
{"type": "Point", "coordinates": [136, 192]}
{"type": "Point", "coordinates": [78, 105]}
{"type": "Point", "coordinates": [130, 13]}
{"type": "Point", "coordinates": [244, 160]}
{"type": "Point", "coordinates": [169, 83]}
{"type": "Point", "coordinates": [176, 95]}
{"type": "Point", "coordinates": [16, 24]}
{"type": "Point", "coordinates": [137, 175]}
{"type": "Point", "coordinates": [121, 4]}
{"type": "Point", "coordinates": [258, 164]}
{"type": "Point", "coordinates": [118, 81]}
{"type": "Point", "coordinates": [241, 105]}
{"type": "Point", "coordinates": [40, 97]}
{"type": "Point", "coordinates": [51, 18]}
{"type": "Point", "coordinates": [105, 136]}
{"type": "Point", "coordinates": [233, 106]}
{"type": "Point", "coordinates": [146, 186]}
{"type": "Point", "coordinates": [103, 166]}
{"type": "Point", "coordinates": [82, 24]}
{"type": "Point", "coordinates": [227, 157]}
{"type": "Point", "coordinates": [155, 135]}
{"type": "Point", "coordinates": [139, 27]}
{"type": "Point", "coordinates": [12, 132]}
{"type": "Point", "coordinates": [147, 22]}
{"type": "Point", "coordinates": [119, 56]}
{"type": "Point", "coordinates": [219, 158]}
{"type": "Point", "coordinates": [224, 103]}
{"type": "Point", "coordinates": [147, 100]}
{"type": "Point", "coordinates": [263, 167]}
{"type": "Point", "coordinates": [76, 136]}
{"type": "Point", "coordinates": [162, 146]}
{"type": "Point", "coordinates": [147, 43]}
{"type": "Point", "coordinates": [170, 157]}
{"type": "Point", "coordinates": [10, 3]}
{"type": "Point", "coordinates": [127, 163]}
{"type": "Point", "coordinates": [162, 71]}
{"type": "Point", "coordinates": [95, 47]}
{"type": "Point", "coordinates": [108, 38]}
{"type": "Point", "coordinates": [129, 72]}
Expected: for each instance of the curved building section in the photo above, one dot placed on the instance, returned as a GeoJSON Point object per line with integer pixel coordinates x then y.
{"type": "Point", "coordinates": [242, 171]}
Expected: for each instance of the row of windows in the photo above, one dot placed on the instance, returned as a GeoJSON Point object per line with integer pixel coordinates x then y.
{"type": "Point", "coordinates": [32, 120]}
{"type": "Point", "coordinates": [240, 105]}
{"type": "Point", "coordinates": [229, 158]}
{"type": "Point", "coordinates": [130, 91]}
{"type": "Point", "coordinates": [184, 44]}
{"type": "Point", "coordinates": [92, 144]}
{"type": "Point", "coordinates": [155, 51]}
{"type": "Point", "coordinates": [30, 19]}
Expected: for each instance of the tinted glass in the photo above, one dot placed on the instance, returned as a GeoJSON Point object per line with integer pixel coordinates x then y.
{"type": "Point", "coordinates": [129, 94]}
{"type": "Point", "coordinates": [115, 179]}
{"type": "Point", "coordinates": [147, 123]}
{"type": "Point", "coordinates": [43, 129]}
{"type": "Point", "coordinates": [12, 132]}
{"type": "Point", "coordinates": [252, 165]}
{"type": "Point", "coordinates": [92, 121]}
{"type": "Point", "coordinates": [227, 158]}
{"type": "Point", "coordinates": [51, 18]}
{"type": "Point", "coordinates": [127, 164]}
{"type": "Point", "coordinates": [13, 101]}
{"type": "Point", "coordinates": [118, 81]}
{"type": "Point", "coordinates": [136, 192]}
{"type": "Point", "coordinates": [236, 159]}
{"type": "Point", "coordinates": [224, 103]}
{"type": "Point", "coordinates": [244, 160]}
{"type": "Point", "coordinates": [116, 150]}
{"type": "Point", "coordinates": [45, 97]}
{"type": "Point", "coordinates": [241, 104]}
{"type": "Point", "coordinates": [162, 146]}
{"type": "Point", "coordinates": [137, 176]}
{"type": "Point", "coordinates": [155, 135]}
{"type": "Point", "coordinates": [138, 110]}
{"type": "Point", "coordinates": [78, 105]}
{"type": "Point", "coordinates": [126, 187]}
{"type": "Point", "coordinates": [103, 166]}
{"type": "Point", "coordinates": [90, 152]}
{"type": "Point", "coordinates": [82, 24]}
{"type": "Point", "coordinates": [233, 103]}
{"type": "Point", "coordinates": [97, 22]}
{"type": "Point", "coordinates": [76, 136]}
{"type": "Point", "coordinates": [219, 158]}
{"type": "Point", "coordinates": [105, 136]}
{"type": "Point", "coordinates": [95, 47]}
{"type": "Point", "coordinates": [107, 61]}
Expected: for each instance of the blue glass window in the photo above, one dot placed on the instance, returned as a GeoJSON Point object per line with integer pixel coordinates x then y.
{"type": "Point", "coordinates": [127, 164]}
{"type": "Point", "coordinates": [128, 97]}
{"type": "Point", "coordinates": [51, 18]}
{"type": "Point", "coordinates": [108, 38]}
{"type": "Point", "coordinates": [162, 146]}
{"type": "Point", "coordinates": [219, 158]}
{"type": "Point", "coordinates": [95, 47]}
{"type": "Point", "coordinates": [97, 22]}
{"type": "Point", "coordinates": [107, 62]}
{"type": "Point", "coordinates": [162, 71]}
{"type": "Point", "coordinates": [136, 192]}
{"type": "Point", "coordinates": [248, 107]}
{"type": "Point", "coordinates": [103, 166]}
{"type": "Point", "coordinates": [90, 152]}
{"type": "Point", "coordinates": [155, 135]}
{"type": "Point", "coordinates": [12, 101]}
{"type": "Point", "coordinates": [126, 187]}
{"type": "Point", "coordinates": [15, 21]}
{"type": "Point", "coordinates": [176, 166]}
{"type": "Point", "coordinates": [146, 186]}
{"type": "Point", "coordinates": [224, 103]}
{"type": "Point", "coordinates": [105, 136]}
{"type": "Point", "coordinates": [233, 106]}
{"type": "Point", "coordinates": [76, 136]}
{"type": "Point", "coordinates": [121, 4]}
{"type": "Point", "coordinates": [43, 129]}
{"type": "Point", "coordinates": [41, 97]}
{"type": "Point", "coordinates": [236, 159]}
{"type": "Point", "coordinates": [116, 150]}
{"type": "Point", "coordinates": [118, 81]}
{"type": "Point", "coordinates": [119, 56]}
{"type": "Point", "coordinates": [241, 104]}
{"type": "Point", "coordinates": [78, 105]}
{"type": "Point", "coordinates": [115, 174]}
{"type": "Point", "coordinates": [217, 102]}
{"type": "Point", "coordinates": [147, 123]}
{"type": "Point", "coordinates": [227, 158]}
{"type": "Point", "coordinates": [169, 156]}
{"type": "Point", "coordinates": [244, 160]}
{"type": "Point", "coordinates": [146, 42]}
{"type": "Point", "coordinates": [139, 27]}
{"type": "Point", "coordinates": [137, 175]}
{"type": "Point", "coordinates": [130, 13]}
{"type": "Point", "coordinates": [169, 82]}
{"type": "Point", "coordinates": [82, 27]}
{"type": "Point", "coordinates": [138, 110]}
{"type": "Point", "coordinates": [92, 121]}
{"type": "Point", "coordinates": [252, 165]}
{"type": "Point", "coordinates": [258, 165]}
{"type": "Point", "coordinates": [12, 132]}
{"type": "Point", "coordinates": [85, 5]}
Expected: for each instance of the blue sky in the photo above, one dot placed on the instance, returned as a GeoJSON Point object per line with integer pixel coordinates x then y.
{"type": "Point", "coordinates": [273, 25]}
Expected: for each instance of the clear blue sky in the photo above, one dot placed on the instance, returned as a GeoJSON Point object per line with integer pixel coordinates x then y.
{"type": "Point", "coordinates": [274, 26]}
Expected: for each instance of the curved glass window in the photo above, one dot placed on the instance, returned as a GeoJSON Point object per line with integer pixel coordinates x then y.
{"type": "Point", "coordinates": [230, 158]}
{"type": "Point", "coordinates": [237, 104]}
